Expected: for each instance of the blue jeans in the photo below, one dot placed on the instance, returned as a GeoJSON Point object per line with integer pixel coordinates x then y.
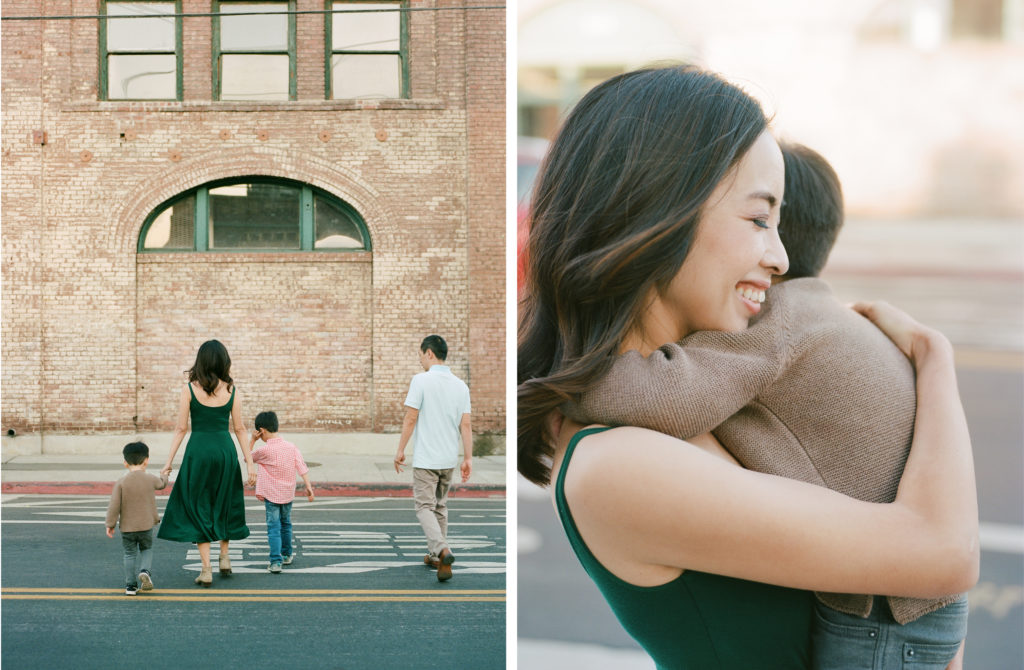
{"type": "Point", "coordinates": [848, 642]}
{"type": "Point", "coordinates": [279, 530]}
{"type": "Point", "coordinates": [137, 545]}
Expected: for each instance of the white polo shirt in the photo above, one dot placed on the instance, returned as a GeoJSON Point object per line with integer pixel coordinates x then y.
{"type": "Point", "coordinates": [442, 399]}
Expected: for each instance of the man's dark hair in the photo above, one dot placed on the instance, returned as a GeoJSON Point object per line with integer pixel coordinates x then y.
{"type": "Point", "coordinates": [436, 344]}
{"type": "Point", "coordinates": [267, 421]}
{"type": "Point", "coordinates": [812, 210]}
{"type": "Point", "coordinates": [135, 452]}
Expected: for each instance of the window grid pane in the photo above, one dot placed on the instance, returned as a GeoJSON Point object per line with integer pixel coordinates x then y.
{"type": "Point", "coordinates": [335, 228]}
{"type": "Point", "coordinates": [366, 51]}
{"type": "Point", "coordinates": [254, 77]}
{"type": "Point", "coordinates": [173, 228]}
{"type": "Point", "coordinates": [373, 31]}
{"type": "Point", "coordinates": [146, 35]}
{"type": "Point", "coordinates": [142, 77]}
{"type": "Point", "coordinates": [366, 76]}
{"type": "Point", "coordinates": [254, 216]}
{"type": "Point", "coordinates": [253, 33]}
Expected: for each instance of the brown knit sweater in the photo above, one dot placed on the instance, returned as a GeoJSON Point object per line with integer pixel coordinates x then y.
{"type": "Point", "coordinates": [810, 391]}
{"type": "Point", "coordinates": [134, 501]}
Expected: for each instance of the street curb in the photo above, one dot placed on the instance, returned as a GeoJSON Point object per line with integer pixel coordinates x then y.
{"type": "Point", "coordinates": [324, 490]}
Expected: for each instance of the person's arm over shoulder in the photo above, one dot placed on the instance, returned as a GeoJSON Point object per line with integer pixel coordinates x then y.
{"type": "Point", "coordinates": [689, 388]}
{"type": "Point", "coordinates": [647, 505]}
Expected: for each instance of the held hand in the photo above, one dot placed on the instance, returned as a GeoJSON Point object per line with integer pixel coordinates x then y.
{"type": "Point", "coordinates": [399, 461]}
{"type": "Point", "coordinates": [166, 470]}
{"type": "Point", "coordinates": [467, 469]}
{"type": "Point", "coordinates": [110, 532]}
{"type": "Point", "coordinates": [252, 474]}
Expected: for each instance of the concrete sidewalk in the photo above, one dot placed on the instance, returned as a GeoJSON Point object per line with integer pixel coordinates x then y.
{"type": "Point", "coordinates": [339, 464]}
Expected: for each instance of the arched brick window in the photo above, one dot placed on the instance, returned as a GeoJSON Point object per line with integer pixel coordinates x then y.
{"type": "Point", "coordinates": [254, 214]}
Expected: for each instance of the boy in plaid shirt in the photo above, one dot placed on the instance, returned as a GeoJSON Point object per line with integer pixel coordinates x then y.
{"type": "Point", "coordinates": [277, 463]}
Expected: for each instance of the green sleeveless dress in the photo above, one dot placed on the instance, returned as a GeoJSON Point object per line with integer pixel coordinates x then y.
{"type": "Point", "coordinates": [206, 503]}
{"type": "Point", "coordinates": [701, 621]}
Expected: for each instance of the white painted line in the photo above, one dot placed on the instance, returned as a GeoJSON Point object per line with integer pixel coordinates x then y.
{"type": "Point", "coordinates": [551, 655]}
{"type": "Point", "coordinates": [1001, 537]}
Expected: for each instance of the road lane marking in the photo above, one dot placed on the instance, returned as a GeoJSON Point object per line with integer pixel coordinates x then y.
{"type": "Point", "coordinates": [247, 599]}
{"type": "Point", "coordinates": [1001, 537]}
{"type": "Point", "coordinates": [332, 592]}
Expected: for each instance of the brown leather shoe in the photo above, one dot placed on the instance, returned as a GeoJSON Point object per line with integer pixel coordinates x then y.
{"type": "Point", "coordinates": [430, 561]}
{"type": "Point", "coordinates": [444, 564]}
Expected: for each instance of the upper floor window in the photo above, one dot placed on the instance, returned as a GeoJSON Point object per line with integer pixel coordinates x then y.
{"type": "Point", "coordinates": [254, 214]}
{"type": "Point", "coordinates": [367, 50]}
{"type": "Point", "coordinates": [140, 57]}
{"type": "Point", "coordinates": [254, 51]}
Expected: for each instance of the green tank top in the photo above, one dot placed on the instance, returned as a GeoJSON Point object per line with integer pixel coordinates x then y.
{"type": "Point", "coordinates": [700, 621]}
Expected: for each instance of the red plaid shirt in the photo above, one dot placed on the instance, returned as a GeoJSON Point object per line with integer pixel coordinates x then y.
{"type": "Point", "coordinates": [277, 463]}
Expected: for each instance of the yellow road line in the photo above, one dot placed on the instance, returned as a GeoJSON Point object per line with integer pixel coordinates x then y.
{"type": "Point", "coordinates": [252, 599]}
{"type": "Point", "coordinates": [384, 592]}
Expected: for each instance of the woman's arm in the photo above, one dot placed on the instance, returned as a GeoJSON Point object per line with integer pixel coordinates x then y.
{"type": "Point", "coordinates": [649, 505]}
{"type": "Point", "coordinates": [180, 429]}
{"type": "Point", "coordinates": [243, 440]}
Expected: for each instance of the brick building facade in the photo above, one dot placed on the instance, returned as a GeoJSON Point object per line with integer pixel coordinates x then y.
{"type": "Point", "coordinates": [98, 329]}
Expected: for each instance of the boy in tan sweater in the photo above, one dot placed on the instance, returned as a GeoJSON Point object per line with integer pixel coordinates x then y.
{"type": "Point", "coordinates": [133, 500]}
{"type": "Point", "coordinates": [810, 391]}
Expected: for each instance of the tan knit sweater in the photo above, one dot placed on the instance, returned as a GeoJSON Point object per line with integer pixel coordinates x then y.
{"type": "Point", "coordinates": [134, 501]}
{"type": "Point", "coordinates": [810, 391]}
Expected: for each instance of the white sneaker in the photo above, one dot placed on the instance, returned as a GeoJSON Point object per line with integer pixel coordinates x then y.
{"type": "Point", "coordinates": [288, 559]}
{"type": "Point", "coordinates": [275, 568]}
{"type": "Point", "coordinates": [145, 581]}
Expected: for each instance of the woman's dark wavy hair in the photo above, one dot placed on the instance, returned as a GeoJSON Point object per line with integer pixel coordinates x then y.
{"type": "Point", "coordinates": [212, 366]}
{"type": "Point", "coordinates": [615, 210]}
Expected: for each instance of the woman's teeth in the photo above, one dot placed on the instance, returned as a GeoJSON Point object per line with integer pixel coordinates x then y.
{"type": "Point", "coordinates": [751, 294]}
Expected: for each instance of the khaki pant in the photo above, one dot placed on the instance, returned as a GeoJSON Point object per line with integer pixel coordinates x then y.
{"type": "Point", "coordinates": [430, 491]}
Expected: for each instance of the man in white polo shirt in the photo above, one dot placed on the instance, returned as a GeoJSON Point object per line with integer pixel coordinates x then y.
{"type": "Point", "coordinates": [437, 417]}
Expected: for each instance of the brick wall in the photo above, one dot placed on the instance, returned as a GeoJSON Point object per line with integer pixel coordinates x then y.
{"type": "Point", "coordinates": [96, 336]}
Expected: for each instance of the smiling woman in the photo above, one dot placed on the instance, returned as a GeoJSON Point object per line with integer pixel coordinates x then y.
{"type": "Point", "coordinates": [656, 214]}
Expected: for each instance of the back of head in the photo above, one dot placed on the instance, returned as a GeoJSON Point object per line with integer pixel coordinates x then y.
{"type": "Point", "coordinates": [435, 344]}
{"type": "Point", "coordinates": [135, 453]}
{"type": "Point", "coordinates": [266, 421]}
{"type": "Point", "coordinates": [812, 210]}
{"type": "Point", "coordinates": [212, 366]}
{"type": "Point", "coordinates": [615, 209]}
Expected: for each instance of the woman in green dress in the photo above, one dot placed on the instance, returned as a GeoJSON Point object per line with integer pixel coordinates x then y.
{"type": "Point", "coordinates": [206, 504]}
{"type": "Point", "coordinates": [660, 195]}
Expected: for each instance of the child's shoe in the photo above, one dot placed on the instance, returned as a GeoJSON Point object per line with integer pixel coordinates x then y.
{"type": "Point", "coordinates": [275, 568]}
{"type": "Point", "coordinates": [145, 581]}
{"type": "Point", "coordinates": [224, 564]}
{"type": "Point", "coordinates": [288, 559]}
{"type": "Point", "coordinates": [131, 589]}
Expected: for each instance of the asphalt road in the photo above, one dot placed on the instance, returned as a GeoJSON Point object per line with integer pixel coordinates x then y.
{"type": "Point", "coordinates": [357, 596]}
{"type": "Point", "coordinates": [558, 603]}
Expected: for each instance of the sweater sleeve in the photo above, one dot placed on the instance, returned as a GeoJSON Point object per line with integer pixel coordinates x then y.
{"type": "Point", "coordinates": [159, 482]}
{"type": "Point", "coordinates": [114, 508]}
{"type": "Point", "coordinates": [689, 388]}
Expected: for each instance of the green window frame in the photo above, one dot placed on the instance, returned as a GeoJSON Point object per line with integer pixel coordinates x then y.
{"type": "Point", "coordinates": [220, 51]}
{"type": "Point", "coordinates": [122, 55]}
{"type": "Point", "coordinates": [186, 222]}
{"type": "Point", "coordinates": [333, 54]}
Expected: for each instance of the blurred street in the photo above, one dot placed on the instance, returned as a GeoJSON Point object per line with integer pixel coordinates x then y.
{"type": "Point", "coordinates": [964, 277]}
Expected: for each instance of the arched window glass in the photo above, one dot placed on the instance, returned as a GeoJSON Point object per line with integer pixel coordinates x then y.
{"type": "Point", "coordinates": [254, 214]}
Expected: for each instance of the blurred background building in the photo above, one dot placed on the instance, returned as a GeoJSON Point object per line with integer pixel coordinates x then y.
{"type": "Point", "coordinates": [918, 104]}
